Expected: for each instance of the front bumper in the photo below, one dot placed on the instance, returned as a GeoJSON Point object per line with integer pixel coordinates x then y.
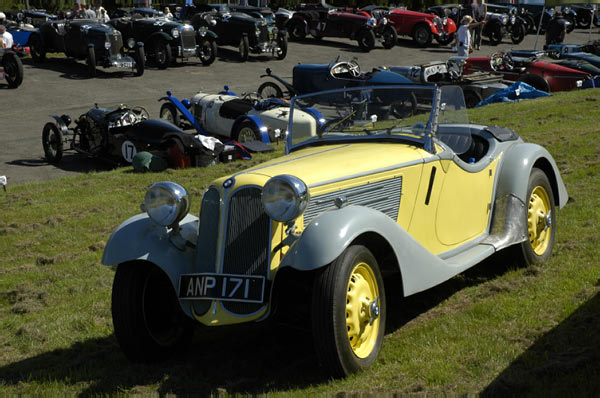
{"type": "Point", "coordinates": [119, 61]}
{"type": "Point", "coordinates": [266, 47]}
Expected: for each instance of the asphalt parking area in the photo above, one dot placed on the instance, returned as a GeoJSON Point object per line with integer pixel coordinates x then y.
{"type": "Point", "coordinates": [61, 86]}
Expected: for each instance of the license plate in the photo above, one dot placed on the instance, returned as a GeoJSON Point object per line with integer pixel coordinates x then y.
{"type": "Point", "coordinates": [125, 65]}
{"type": "Point", "coordinates": [222, 287]}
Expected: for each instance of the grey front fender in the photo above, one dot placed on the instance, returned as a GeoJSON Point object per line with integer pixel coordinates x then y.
{"type": "Point", "coordinates": [139, 238]}
{"type": "Point", "coordinates": [327, 236]}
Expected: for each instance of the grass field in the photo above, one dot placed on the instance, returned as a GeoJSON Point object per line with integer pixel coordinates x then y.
{"type": "Point", "coordinates": [497, 329]}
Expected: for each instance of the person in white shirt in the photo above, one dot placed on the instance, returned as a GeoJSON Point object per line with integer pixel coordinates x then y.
{"type": "Point", "coordinates": [103, 15]}
{"type": "Point", "coordinates": [463, 37]}
{"type": "Point", "coordinates": [168, 14]}
{"type": "Point", "coordinates": [5, 38]}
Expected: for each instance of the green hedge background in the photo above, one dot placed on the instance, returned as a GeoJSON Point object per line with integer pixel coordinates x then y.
{"type": "Point", "coordinates": [55, 5]}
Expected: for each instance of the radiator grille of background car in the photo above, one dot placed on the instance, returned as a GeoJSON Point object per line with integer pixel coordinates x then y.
{"type": "Point", "coordinates": [383, 196]}
{"type": "Point", "coordinates": [188, 39]}
{"type": "Point", "coordinates": [116, 43]}
{"type": "Point", "coordinates": [264, 34]}
{"type": "Point", "coordinates": [247, 242]}
{"type": "Point", "coordinates": [208, 236]}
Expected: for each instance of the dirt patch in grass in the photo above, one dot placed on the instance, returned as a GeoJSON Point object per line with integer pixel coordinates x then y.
{"type": "Point", "coordinates": [25, 299]}
{"type": "Point", "coordinates": [97, 246]}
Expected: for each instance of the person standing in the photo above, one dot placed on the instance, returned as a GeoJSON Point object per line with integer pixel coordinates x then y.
{"type": "Point", "coordinates": [6, 39]}
{"type": "Point", "coordinates": [480, 15]}
{"type": "Point", "coordinates": [556, 29]}
{"type": "Point", "coordinates": [463, 37]}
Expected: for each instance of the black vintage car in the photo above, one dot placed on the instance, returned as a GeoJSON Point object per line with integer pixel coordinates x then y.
{"type": "Point", "coordinates": [33, 17]}
{"type": "Point", "coordinates": [166, 40]}
{"type": "Point", "coordinates": [116, 134]}
{"type": "Point", "coordinates": [249, 34]}
{"type": "Point", "coordinates": [90, 40]}
{"type": "Point", "coordinates": [11, 68]}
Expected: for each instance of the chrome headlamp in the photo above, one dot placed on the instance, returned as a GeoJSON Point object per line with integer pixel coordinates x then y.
{"type": "Point", "coordinates": [285, 197]}
{"type": "Point", "coordinates": [107, 45]}
{"type": "Point", "coordinates": [513, 19]}
{"type": "Point", "coordinates": [166, 203]}
{"type": "Point", "coordinates": [445, 21]}
{"type": "Point", "coordinates": [131, 42]}
{"type": "Point", "coordinates": [175, 33]}
{"type": "Point", "coordinates": [504, 19]}
{"type": "Point", "coordinates": [371, 21]}
{"type": "Point", "coordinates": [437, 22]}
{"type": "Point", "coordinates": [384, 21]}
{"type": "Point", "coordinates": [566, 10]}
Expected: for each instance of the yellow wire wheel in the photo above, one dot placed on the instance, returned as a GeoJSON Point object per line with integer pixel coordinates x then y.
{"type": "Point", "coordinates": [540, 219]}
{"type": "Point", "coordinates": [349, 311]}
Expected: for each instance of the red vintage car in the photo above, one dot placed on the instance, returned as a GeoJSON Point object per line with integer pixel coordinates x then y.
{"type": "Point", "coordinates": [543, 75]}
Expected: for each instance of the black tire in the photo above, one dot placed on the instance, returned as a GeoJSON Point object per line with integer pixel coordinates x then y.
{"type": "Point", "coordinates": [296, 30]}
{"type": "Point", "coordinates": [495, 35]}
{"type": "Point", "coordinates": [531, 25]}
{"type": "Point", "coordinates": [169, 113]}
{"type": "Point", "coordinates": [52, 141]}
{"type": "Point", "coordinates": [535, 81]}
{"type": "Point", "coordinates": [390, 37]}
{"type": "Point", "coordinates": [596, 20]}
{"type": "Point", "coordinates": [366, 39]}
{"type": "Point", "coordinates": [140, 61]}
{"type": "Point", "coordinates": [207, 51]}
{"type": "Point", "coordinates": [572, 24]}
{"type": "Point", "coordinates": [422, 35]}
{"type": "Point", "coordinates": [282, 43]}
{"type": "Point", "coordinates": [36, 47]}
{"type": "Point", "coordinates": [149, 324]}
{"type": "Point", "coordinates": [270, 90]}
{"type": "Point", "coordinates": [472, 98]}
{"type": "Point", "coordinates": [334, 317]}
{"type": "Point", "coordinates": [244, 49]}
{"type": "Point", "coordinates": [584, 19]}
{"type": "Point", "coordinates": [13, 70]}
{"type": "Point", "coordinates": [518, 33]}
{"type": "Point", "coordinates": [245, 131]}
{"type": "Point", "coordinates": [91, 62]}
{"type": "Point", "coordinates": [162, 53]}
{"type": "Point", "coordinates": [540, 222]}
{"type": "Point", "coordinates": [444, 42]}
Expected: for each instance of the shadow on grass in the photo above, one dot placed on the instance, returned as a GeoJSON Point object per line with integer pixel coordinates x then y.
{"type": "Point", "coordinates": [70, 162]}
{"type": "Point", "coordinates": [563, 362]}
{"type": "Point", "coordinates": [70, 68]}
{"type": "Point", "coordinates": [248, 358]}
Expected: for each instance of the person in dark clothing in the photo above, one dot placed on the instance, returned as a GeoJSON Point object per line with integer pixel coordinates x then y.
{"type": "Point", "coordinates": [556, 30]}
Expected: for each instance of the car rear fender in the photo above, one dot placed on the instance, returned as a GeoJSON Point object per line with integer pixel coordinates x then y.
{"type": "Point", "coordinates": [212, 35]}
{"type": "Point", "coordinates": [61, 125]}
{"type": "Point", "coordinates": [139, 238]}
{"type": "Point", "coordinates": [264, 132]}
{"type": "Point", "coordinates": [328, 235]}
{"type": "Point", "coordinates": [516, 167]}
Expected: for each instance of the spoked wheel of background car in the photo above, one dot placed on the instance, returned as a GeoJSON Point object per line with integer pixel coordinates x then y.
{"type": "Point", "coordinates": [349, 312]}
{"type": "Point", "coordinates": [270, 90]}
{"type": "Point", "coordinates": [495, 36]}
{"type": "Point", "coordinates": [52, 141]}
{"type": "Point", "coordinates": [444, 41]}
{"type": "Point", "coordinates": [244, 48]}
{"type": "Point", "coordinates": [246, 131]}
{"type": "Point", "coordinates": [472, 98]}
{"type": "Point", "coordinates": [297, 31]}
{"type": "Point", "coordinates": [282, 43]}
{"type": "Point", "coordinates": [36, 47]}
{"type": "Point", "coordinates": [535, 81]}
{"type": "Point", "coordinates": [207, 51]}
{"type": "Point", "coordinates": [584, 19]}
{"type": "Point", "coordinates": [169, 112]}
{"type": "Point", "coordinates": [140, 61]}
{"type": "Point", "coordinates": [366, 39]}
{"type": "Point", "coordinates": [149, 323]}
{"type": "Point", "coordinates": [91, 62]}
{"type": "Point", "coordinates": [403, 108]}
{"type": "Point", "coordinates": [162, 53]}
{"type": "Point", "coordinates": [13, 69]}
{"type": "Point", "coordinates": [422, 35]}
{"type": "Point", "coordinates": [531, 26]}
{"type": "Point", "coordinates": [390, 37]}
{"type": "Point", "coordinates": [541, 220]}
{"type": "Point", "coordinates": [518, 33]}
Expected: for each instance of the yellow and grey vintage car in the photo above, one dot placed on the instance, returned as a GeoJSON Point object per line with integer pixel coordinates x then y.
{"type": "Point", "coordinates": [373, 189]}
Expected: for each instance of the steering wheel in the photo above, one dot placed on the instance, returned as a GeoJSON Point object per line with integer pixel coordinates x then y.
{"type": "Point", "coordinates": [500, 61]}
{"type": "Point", "coordinates": [141, 112]}
{"type": "Point", "coordinates": [351, 68]}
{"type": "Point", "coordinates": [252, 96]}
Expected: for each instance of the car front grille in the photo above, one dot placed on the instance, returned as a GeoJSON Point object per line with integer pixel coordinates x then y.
{"type": "Point", "coordinates": [116, 43]}
{"type": "Point", "coordinates": [383, 196]}
{"type": "Point", "coordinates": [264, 34]}
{"type": "Point", "coordinates": [188, 39]}
{"type": "Point", "coordinates": [247, 240]}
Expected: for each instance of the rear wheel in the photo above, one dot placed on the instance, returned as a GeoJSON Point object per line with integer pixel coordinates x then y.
{"type": "Point", "coordinates": [245, 132]}
{"type": "Point", "coordinates": [162, 53]}
{"type": "Point", "coordinates": [207, 51]}
{"type": "Point", "coordinates": [13, 70]}
{"type": "Point", "coordinates": [282, 43]}
{"type": "Point", "coordinates": [541, 220]}
{"type": "Point", "coordinates": [584, 19]}
{"type": "Point", "coordinates": [297, 31]}
{"type": "Point", "coordinates": [366, 39]}
{"type": "Point", "coordinates": [390, 37]}
{"type": "Point", "coordinates": [169, 113]}
{"type": "Point", "coordinates": [444, 41]}
{"type": "Point", "coordinates": [91, 62]}
{"type": "Point", "coordinates": [149, 324]}
{"type": "Point", "coordinates": [495, 36]}
{"type": "Point", "coordinates": [535, 81]}
{"type": "Point", "coordinates": [349, 312]}
{"type": "Point", "coordinates": [52, 141]}
{"type": "Point", "coordinates": [140, 61]}
{"type": "Point", "coordinates": [244, 48]}
{"type": "Point", "coordinates": [572, 23]}
{"type": "Point", "coordinates": [518, 33]}
{"type": "Point", "coordinates": [36, 47]}
{"type": "Point", "coordinates": [270, 90]}
{"type": "Point", "coordinates": [422, 35]}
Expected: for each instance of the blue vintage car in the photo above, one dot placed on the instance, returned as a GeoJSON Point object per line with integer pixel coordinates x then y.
{"type": "Point", "coordinates": [573, 51]}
